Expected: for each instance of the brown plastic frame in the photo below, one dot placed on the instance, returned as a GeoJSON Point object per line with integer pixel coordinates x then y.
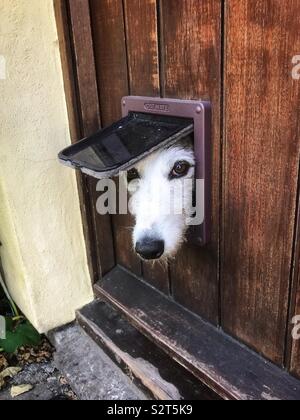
{"type": "Point", "coordinates": [200, 112]}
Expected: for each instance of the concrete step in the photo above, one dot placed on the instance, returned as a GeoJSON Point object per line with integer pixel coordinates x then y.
{"type": "Point", "coordinates": [90, 372]}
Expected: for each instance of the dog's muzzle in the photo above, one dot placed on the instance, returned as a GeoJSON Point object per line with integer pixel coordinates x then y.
{"type": "Point", "coordinates": [150, 249]}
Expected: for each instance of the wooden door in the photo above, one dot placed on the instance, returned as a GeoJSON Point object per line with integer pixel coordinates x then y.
{"type": "Point", "coordinates": [238, 54]}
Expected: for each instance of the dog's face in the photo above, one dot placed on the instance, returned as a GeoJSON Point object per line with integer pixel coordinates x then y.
{"type": "Point", "coordinates": [161, 188]}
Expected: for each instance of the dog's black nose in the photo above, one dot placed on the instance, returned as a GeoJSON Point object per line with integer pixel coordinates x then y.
{"type": "Point", "coordinates": [150, 249]}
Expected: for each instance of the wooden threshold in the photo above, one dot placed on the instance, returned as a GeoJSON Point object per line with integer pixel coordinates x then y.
{"type": "Point", "coordinates": [227, 367]}
{"type": "Point", "coordinates": [159, 376]}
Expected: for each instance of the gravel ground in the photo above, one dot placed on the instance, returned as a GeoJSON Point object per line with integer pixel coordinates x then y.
{"type": "Point", "coordinates": [78, 369]}
{"type": "Point", "coordinates": [39, 371]}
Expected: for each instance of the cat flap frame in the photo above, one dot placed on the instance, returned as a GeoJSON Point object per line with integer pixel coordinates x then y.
{"type": "Point", "coordinates": [147, 125]}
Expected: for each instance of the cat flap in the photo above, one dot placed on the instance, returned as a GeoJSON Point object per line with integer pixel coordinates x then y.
{"type": "Point", "coordinates": [121, 145]}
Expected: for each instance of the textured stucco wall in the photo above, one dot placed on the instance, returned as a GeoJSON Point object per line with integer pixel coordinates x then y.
{"type": "Point", "coordinates": [43, 250]}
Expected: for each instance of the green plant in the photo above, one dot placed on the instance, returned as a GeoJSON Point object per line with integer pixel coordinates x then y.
{"type": "Point", "coordinates": [19, 334]}
{"type": "Point", "coordinates": [18, 331]}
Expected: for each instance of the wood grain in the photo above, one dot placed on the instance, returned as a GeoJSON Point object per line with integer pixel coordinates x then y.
{"type": "Point", "coordinates": [144, 80]}
{"type": "Point", "coordinates": [191, 67]}
{"type": "Point", "coordinates": [63, 31]}
{"type": "Point", "coordinates": [117, 50]}
{"type": "Point", "coordinates": [142, 47]}
{"type": "Point", "coordinates": [293, 344]}
{"type": "Point", "coordinates": [85, 64]}
{"type": "Point", "coordinates": [110, 56]}
{"type": "Point", "coordinates": [295, 355]}
{"type": "Point", "coordinates": [112, 76]}
{"type": "Point", "coordinates": [75, 35]}
{"type": "Point", "coordinates": [261, 158]}
{"type": "Point", "coordinates": [65, 48]}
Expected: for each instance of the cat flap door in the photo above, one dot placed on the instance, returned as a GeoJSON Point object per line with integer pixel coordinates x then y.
{"type": "Point", "coordinates": [149, 124]}
{"type": "Point", "coordinates": [121, 145]}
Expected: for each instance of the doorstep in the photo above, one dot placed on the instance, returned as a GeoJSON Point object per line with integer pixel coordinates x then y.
{"type": "Point", "coordinates": [224, 365]}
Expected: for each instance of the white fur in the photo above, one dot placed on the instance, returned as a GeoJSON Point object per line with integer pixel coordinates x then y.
{"type": "Point", "coordinates": [153, 193]}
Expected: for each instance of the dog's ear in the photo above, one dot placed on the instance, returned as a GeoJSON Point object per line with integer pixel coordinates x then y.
{"type": "Point", "coordinates": [185, 143]}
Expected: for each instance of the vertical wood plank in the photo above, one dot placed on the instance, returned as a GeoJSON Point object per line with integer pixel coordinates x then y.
{"type": "Point", "coordinates": [143, 65]}
{"type": "Point", "coordinates": [191, 33]}
{"type": "Point", "coordinates": [102, 257]}
{"type": "Point", "coordinates": [65, 48]}
{"type": "Point", "coordinates": [142, 46]}
{"type": "Point", "coordinates": [85, 64]}
{"type": "Point", "coordinates": [63, 30]}
{"type": "Point", "coordinates": [293, 343]}
{"type": "Point", "coordinates": [261, 157]}
{"type": "Point", "coordinates": [112, 76]}
{"type": "Point", "coordinates": [110, 56]}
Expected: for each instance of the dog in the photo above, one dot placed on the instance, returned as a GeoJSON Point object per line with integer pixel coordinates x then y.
{"type": "Point", "coordinates": [161, 200]}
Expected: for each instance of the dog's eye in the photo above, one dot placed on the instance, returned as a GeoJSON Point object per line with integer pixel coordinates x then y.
{"type": "Point", "coordinates": [180, 169]}
{"type": "Point", "coordinates": [132, 174]}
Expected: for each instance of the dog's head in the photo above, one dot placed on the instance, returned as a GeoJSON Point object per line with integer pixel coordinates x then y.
{"type": "Point", "coordinates": [161, 188]}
